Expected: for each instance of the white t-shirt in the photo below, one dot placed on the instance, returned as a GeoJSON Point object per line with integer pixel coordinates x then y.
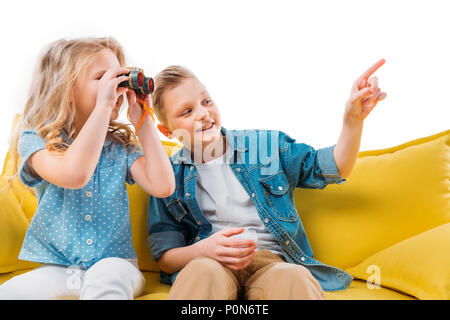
{"type": "Point", "coordinates": [226, 204]}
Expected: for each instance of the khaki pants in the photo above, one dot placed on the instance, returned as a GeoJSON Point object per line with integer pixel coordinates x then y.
{"type": "Point", "coordinates": [267, 277]}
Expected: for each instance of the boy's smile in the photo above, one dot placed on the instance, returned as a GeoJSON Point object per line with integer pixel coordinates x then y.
{"type": "Point", "coordinates": [191, 115]}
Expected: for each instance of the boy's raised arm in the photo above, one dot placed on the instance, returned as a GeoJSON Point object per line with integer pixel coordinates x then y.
{"type": "Point", "coordinates": [364, 96]}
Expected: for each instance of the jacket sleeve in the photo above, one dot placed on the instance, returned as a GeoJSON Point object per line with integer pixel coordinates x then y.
{"type": "Point", "coordinates": [164, 231]}
{"type": "Point", "coordinates": [307, 167]}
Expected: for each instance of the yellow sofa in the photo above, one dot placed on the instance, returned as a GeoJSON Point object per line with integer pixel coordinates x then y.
{"type": "Point", "coordinates": [388, 225]}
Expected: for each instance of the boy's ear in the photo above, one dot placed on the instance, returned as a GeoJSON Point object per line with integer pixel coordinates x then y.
{"type": "Point", "coordinates": [163, 129]}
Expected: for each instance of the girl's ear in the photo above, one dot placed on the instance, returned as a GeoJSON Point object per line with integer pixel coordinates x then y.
{"type": "Point", "coordinates": [163, 129]}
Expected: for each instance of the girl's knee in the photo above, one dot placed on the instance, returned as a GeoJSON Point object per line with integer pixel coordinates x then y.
{"type": "Point", "coordinates": [112, 278]}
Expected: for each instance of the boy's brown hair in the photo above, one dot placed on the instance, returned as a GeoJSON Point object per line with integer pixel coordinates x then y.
{"type": "Point", "coordinates": [167, 79]}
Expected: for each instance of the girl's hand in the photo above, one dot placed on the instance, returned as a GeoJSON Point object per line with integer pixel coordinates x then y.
{"type": "Point", "coordinates": [364, 95]}
{"type": "Point", "coordinates": [108, 91]}
{"type": "Point", "coordinates": [233, 253]}
{"type": "Point", "coordinates": [136, 109]}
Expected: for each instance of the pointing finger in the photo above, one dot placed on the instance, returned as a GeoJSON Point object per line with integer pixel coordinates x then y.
{"type": "Point", "coordinates": [372, 69]}
{"type": "Point", "coordinates": [362, 80]}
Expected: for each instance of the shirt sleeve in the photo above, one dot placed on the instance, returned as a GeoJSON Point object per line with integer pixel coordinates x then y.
{"type": "Point", "coordinates": [29, 143]}
{"type": "Point", "coordinates": [164, 231]}
{"type": "Point", "coordinates": [308, 167]}
{"type": "Point", "coordinates": [133, 154]}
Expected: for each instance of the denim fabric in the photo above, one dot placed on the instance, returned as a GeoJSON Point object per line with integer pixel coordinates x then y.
{"type": "Point", "coordinates": [269, 165]}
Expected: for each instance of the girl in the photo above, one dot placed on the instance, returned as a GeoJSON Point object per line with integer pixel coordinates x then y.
{"type": "Point", "coordinates": [78, 158]}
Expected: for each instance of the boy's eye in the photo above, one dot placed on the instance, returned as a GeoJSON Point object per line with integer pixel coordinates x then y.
{"type": "Point", "coordinates": [208, 101]}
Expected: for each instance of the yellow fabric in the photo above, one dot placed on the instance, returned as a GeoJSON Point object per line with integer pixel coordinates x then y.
{"type": "Point", "coordinates": [357, 290]}
{"type": "Point", "coordinates": [138, 214]}
{"type": "Point", "coordinates": [391, 195]}
{"type": "Point", "coordinates": [6, 276]}
{"type": "Point", "coordinates": [13, 226]}
{"type": "Point", "coordinates": [24, 195]}
{"type": "Point", "coordinates": [419, 266]}
{"type": "Point", "coordinates": [154, 290]}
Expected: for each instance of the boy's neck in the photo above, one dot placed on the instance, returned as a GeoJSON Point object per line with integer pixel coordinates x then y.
{"type": "Point", "coordinates": [211, 151]}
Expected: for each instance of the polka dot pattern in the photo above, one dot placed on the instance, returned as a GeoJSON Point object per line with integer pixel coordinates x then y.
{"type": "Point", "coordinates": [80, 226]}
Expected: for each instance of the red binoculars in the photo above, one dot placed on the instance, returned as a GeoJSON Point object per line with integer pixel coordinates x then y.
{"type": "Point", "coordinates": [138, 81]}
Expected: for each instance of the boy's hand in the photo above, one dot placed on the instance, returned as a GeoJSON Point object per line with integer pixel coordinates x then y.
{"type": "Point", "coordinates": [135, 107]}
{"type": "Point", "coordinates": [364, 95]}
{"type": "Point", "coordinates": [233, 253]}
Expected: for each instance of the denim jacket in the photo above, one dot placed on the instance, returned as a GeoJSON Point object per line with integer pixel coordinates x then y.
{"type": "Point", "coordinates": [269, 165]}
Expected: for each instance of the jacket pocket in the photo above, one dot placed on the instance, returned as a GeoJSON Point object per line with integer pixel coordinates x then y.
{"type": "Point", "coordinates": [176, 209]}
{"type": "Point", "coordinates": [279, 199]}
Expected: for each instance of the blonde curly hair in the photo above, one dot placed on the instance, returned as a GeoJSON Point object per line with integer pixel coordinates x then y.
{"type": "Point", "coordinates": [49, 109]}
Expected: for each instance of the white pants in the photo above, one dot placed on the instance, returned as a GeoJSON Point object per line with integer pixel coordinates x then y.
{"type": "Point", "coordinates": [108, 279]}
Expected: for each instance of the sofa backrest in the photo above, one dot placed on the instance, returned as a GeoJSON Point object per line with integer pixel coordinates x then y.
{"type": "Point", "coordinates": [392, 194]}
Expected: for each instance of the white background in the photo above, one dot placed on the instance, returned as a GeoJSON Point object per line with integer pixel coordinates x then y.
{"type": "Point", "coordinates": [286, 65]}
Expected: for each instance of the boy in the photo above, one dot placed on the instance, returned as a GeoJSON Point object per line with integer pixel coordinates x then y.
{"type": "Point", "coordinates": [231, 181]}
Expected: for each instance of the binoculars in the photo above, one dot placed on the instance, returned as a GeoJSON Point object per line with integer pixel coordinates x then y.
{"type": "Point", "coordinates": [138, 81]}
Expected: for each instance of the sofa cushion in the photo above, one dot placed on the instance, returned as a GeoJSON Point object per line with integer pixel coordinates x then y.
{"type": "Point", "coordinates": [391, 195]}
{"type": "Point", "coordinates": [138, 214]}
{"type": "Point", "coordinates": [24, 195]}
{"type": "Point", "coordinates": [418, 266]}
{"type": "Point", "coordinates": [358, 289]}
{"type": "Point", "coordinates": [13, 226]}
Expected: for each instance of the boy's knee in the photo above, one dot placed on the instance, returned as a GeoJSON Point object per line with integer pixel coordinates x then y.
{"type": "Point", "coordinates": [288, 281]}
{"type": "Point", "coordinates": [204, 267]}
{"type": "Point", "coordinates": [293, 274]}
{"type": "Point", "coordinates": [204, 278]}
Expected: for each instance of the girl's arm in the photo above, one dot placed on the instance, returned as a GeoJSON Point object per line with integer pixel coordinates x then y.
{"type": "Point", "coordinates": [74, 168]}
{"type": "Point", "coordinates": [153, 172]}
{"type": "Point", "coordinates": [364, 97]}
